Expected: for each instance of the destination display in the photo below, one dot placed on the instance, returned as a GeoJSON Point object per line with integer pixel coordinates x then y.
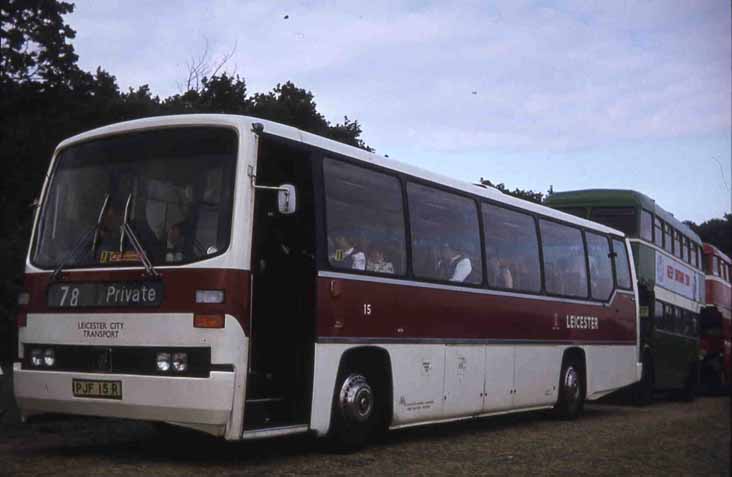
{"type": "Point", "coordinates": [109, 294]}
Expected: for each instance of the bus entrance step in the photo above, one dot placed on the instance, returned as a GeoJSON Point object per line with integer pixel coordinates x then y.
{"type": "Point", "coordinates": [267, 411]}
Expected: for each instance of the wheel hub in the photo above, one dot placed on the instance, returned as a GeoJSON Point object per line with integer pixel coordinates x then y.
{"type": "Point", "coordinates": [356, 399]}
{"type": "Point", "coordinates": [571, 384]}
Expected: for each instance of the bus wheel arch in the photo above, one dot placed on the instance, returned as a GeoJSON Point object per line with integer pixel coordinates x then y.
{"type": "Point", "coordinates": [362, 398]}
{"type": "Point", "coordinates": [572, 384]}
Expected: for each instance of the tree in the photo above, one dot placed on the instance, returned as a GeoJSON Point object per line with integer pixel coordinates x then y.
{"type": "Point", "coordinates": [717, 232]}
{"type": "Point", "coordinates": [527, 194]}
{"type": "Point", "coordinates": [34, 43]}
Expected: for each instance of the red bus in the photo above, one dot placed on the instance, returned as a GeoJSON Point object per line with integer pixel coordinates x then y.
{"type": "Point", "coordinates": [248, 279]}
{"type": "Point", "coordinates": [716, 319]}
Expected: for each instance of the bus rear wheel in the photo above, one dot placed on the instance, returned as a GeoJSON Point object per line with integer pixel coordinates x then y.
{"type": "Point", "coordinates": [357, 411]}
{"type": "Point", "coordinates": [571, 392]}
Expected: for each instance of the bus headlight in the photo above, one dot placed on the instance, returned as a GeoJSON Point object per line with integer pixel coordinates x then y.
{"type": "Point", "coordinates": [36, 357]}
{"type": "Point", "coordinates": [49, 357]}
{"type": "Point", "coordinates": [163, 360]}
{"type": "Point", "coordinates": [180, 362]}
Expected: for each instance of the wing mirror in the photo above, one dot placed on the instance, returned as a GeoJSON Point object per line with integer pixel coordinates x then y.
{"type": "Point", "coordinates": [286, 195]}
{"type": "Point", "coordinates": [286, 199]}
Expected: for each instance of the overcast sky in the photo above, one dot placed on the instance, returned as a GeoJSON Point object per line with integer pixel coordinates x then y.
{"type": "Point", "coordinates": [617, 94]}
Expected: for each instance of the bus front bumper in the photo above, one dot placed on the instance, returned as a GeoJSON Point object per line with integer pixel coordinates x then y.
{"type": "Point", "coordinates": [204, 403]}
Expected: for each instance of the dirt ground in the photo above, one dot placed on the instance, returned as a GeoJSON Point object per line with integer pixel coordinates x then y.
{"type": "Point", "coordinates": [667, 438]}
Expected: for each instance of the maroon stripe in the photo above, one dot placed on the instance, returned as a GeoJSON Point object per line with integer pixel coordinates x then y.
{"type": "Point", "coordinates": [402, 312]}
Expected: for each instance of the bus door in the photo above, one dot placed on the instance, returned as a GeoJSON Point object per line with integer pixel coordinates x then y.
{"type": "Point", "coordinates": [283, 291]}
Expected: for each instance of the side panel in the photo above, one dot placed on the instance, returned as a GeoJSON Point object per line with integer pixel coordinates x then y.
{"type": "Point", "coordinates": [419, 376]}
{"type": "Point", "coordinates": [537, 375]}
{"type": "Point", "coordinates": [464, 379]}
{"type": "Point", "coordinates": [499, 363]}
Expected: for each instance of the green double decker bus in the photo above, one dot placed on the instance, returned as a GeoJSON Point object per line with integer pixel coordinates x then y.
{"type": "Point", "coordinates": [668, 261]}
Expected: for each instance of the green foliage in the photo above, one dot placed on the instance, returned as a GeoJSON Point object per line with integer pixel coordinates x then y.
{"type": "Point", "coordinates": [717, 232]}
{"type": "Point", "coordinates": [527, 194]}
{"type": "Point", "coordinates": [34, 45]}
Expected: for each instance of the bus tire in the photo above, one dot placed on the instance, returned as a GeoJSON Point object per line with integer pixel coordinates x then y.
{"type": "Point", "coordinates": [688, 392]}
{"type": "Point", "coordinates": [571, 391]}
{"type": "Point", "coordinates": [356, 413]}
{"type": "Point", "coordinates": [643, 389]}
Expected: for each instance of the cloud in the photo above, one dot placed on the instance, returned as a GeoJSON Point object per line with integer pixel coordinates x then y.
{"type": "Point", "coordinates": [518, 75]}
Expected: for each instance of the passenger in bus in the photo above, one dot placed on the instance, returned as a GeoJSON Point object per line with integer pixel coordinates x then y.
{"type": "Point", "coordinates": [571, 273]}
{"type": "Point", "coordinates": [174, 244]}
{"type": "Point", "coordinates": [375, 261]}
{"type": "Point", "coordinates": [499, 273]}
{"type": "Point", "coordinates": [108, 234]}
{"type": "Point", "coordinates": [453, 266]}
{"type": "Point", "coordinates": [347, 254]}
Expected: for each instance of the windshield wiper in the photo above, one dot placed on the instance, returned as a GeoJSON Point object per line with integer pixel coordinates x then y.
{"type": "Point", "coordinates": [126, 229]}
{"type": "Point", "coordinates": [73, 255]}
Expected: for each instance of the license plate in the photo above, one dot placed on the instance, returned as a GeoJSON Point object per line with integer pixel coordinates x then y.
{"type": "Point", "coordinates": [97, 389]}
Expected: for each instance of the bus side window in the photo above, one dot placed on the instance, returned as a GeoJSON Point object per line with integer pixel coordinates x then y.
{"type": "Point", "coordinates": [622, 267]}
{"type": "Point", "coordinates": [677, 243]}
{"type": "Point", "coordinates": [646, 225]}
{"type": "Point", "coordinates": [564, 254]}
{"type": "Point", "coordinates": [511, 249]}
{"type": "Point", "coordinates": [657, 232]}
{"type": "Point", "coordinates": [601, 268]}
{"type": "Point", "coordinates": [445, 235]}
{"type": "Point", "coordinates": [658, 311]}
{"type": "Point", "coordinates": [364, 211]}
{"type": "Point", "coordinates": [667, 241]}
{"type": "Point", "coordinates": [684, 248]}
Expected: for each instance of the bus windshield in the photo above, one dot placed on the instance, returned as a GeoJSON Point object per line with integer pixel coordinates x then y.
{"type": "Point", "coordinates": [173, 186]}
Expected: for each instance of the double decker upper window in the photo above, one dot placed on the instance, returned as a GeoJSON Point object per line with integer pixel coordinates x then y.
{"type": "Point", "coordinates": [657, 232]}
{"type": "Point", "coordinates": [646, 226]}
{"type": "Point", "coordinates": [677, 243]}
{"type": "Point", "coordinates": [684, 249]}
{"type": "Point", "coordinates": [667, 240]}
{"type": "Point", "coordinates": [365, 219]}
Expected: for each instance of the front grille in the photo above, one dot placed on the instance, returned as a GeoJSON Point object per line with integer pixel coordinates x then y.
{"type": "Point", "coordinates": [119, 359]}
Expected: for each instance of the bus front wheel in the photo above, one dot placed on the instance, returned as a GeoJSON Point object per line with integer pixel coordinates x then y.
{"type": "Point", "coordinates": [571, 392]}
{"type": "Point", "coordinates": [356, 411]}
{"type": "Point", "coordinates": [643, 389]}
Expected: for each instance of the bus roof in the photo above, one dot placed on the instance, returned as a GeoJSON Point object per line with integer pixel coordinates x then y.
{"type": "Point", "coordinates": [245, 123]}
{"type": "Point", "coordinates": [618, 198]}
{"type": "Point", "coordinates": [710, 249]}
